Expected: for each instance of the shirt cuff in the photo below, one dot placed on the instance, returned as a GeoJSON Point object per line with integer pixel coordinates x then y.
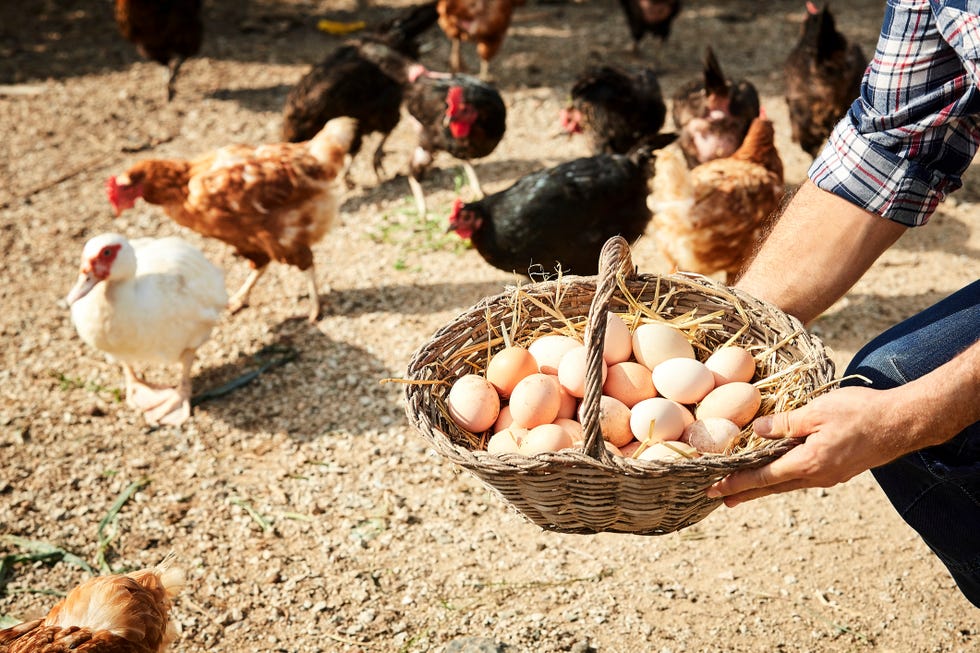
{"type": "Point", "coordinates": [867, 175]}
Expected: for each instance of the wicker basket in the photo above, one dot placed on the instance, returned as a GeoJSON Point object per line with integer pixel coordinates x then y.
{"type": "Point", "coordinates": [593, 491]}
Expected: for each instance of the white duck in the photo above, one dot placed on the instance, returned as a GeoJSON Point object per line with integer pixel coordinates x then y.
{"type": "Point", "coordinates": [148, 301]}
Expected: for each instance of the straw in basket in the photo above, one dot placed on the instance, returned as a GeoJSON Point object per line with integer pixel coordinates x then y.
{"type": "Point", "coordinates": [591, 490]}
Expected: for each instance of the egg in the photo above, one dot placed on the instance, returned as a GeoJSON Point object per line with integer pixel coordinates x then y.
{"type": "Point", "coordinates": [572, 370]}
{"type": "Point", "coordinates": [508, 366]}
{"type": "Point", "coordinates": [549, 349]}
{"type": "Point", "coordinates": [506, 441]}
{"type": "Point", "coordinates": [668, 451]}
{"type": "Point", "coordinates": [738, 401]}
{"type": "Point", "coordinates": [685, 380]}
{"type": "Point", "coordinates": [614, 420]}
{"type": "Point", "coordinates": [629, 382]}
{"type": "Point", "coordinates": [473, 403]}
{"type": "Point", "coordinates": [729, 364]}
{"type": "Point", "coordinates": [629, 449]}
{"type": "Point", "coordinates": [545, 437]}
{"type": "Point", "coordinates": [654, 343]}
{"type": "Point", "coordinates": [711, 434]}
{"type": "Point", "coordinates": [535, 400]}
{"type": "Point", "coordinates": [657, 419]}
{"type": "Point", "coordinates": [504, 419]}
{"type": "Point", "coordinates": [618, 345]}
{"type": "Point", "coordinates": [569, 404]}
{"type": "Point", "coordinates": [613, 449]}
{"type": "Point", "coordinates": [573, 428]}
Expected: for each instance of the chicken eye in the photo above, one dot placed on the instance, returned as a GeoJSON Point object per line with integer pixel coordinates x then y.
{"type": "Point", "coordinates": [106, 253]}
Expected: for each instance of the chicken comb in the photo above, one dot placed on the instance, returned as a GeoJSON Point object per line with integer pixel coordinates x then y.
{"type": "Point", "coordinates": [454, 100]}
{"type": "Point", "coordinates": [811, 8]}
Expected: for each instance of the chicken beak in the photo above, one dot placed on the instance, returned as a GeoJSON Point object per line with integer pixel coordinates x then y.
{"type": "Point", "coordinates": [86, 281]}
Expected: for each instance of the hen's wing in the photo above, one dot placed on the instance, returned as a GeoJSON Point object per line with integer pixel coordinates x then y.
{"type": "Point", "coordinates": [275, 201]}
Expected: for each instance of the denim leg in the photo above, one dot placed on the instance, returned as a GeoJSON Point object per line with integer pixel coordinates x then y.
{"type": "Point", "coordinates": [937, 489]}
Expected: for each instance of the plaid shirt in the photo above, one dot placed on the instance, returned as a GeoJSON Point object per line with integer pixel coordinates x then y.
{"type": "Point", "coordinates": [904, 144]}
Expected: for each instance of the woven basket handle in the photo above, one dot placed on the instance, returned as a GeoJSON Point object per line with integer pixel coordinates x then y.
{"type": "Point", "coordinates": [614, 260]}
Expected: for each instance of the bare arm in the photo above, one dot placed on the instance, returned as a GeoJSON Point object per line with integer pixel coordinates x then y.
{"type": "Point", "coordinates": [853, 429]}
{"type": "Point", "coordinates": [818, 249]}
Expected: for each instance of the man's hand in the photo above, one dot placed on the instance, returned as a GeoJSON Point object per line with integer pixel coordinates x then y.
{"type": "Point", "coordinates": [845, 431]}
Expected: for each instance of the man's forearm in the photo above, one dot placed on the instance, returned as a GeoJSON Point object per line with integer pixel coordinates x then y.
{"type": "Point", "coordinates": [818, 249]}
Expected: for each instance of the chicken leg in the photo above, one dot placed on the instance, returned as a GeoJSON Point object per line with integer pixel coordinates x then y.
{"type": "Point", "coordinates": [314, 294]}
{"type": "Point", "coordinates": [456, 57]}
{"type": "Point", "coordinates": [473, 179]}
{"type": "Point", "coordinates": [379, 155]}
{"type": "Point", "coordinates": [162, 404]}
{"type": "Point", "coordinates": [239, 300]}
{"type": "Point", "coordinates": [172, 68]}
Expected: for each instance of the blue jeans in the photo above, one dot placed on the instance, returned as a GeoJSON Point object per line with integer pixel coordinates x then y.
{"type": "Point", "coordinates": [937, 489]}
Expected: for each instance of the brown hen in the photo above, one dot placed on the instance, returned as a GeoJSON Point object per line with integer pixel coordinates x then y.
{"type": "Point", "coordinates": [709, 219]}
{"type": "Point", "coordinates": [271, 202]}
{"type": "Point", "coordinates": [108, 614]}
{"type": "Point", "coordinates": [484, 22]}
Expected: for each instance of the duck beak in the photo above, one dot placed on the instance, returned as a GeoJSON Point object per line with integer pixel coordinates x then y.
{"type": "Point", "coordinates": [86, 281]}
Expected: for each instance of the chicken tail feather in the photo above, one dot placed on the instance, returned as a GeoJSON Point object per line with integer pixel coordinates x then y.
{"type": "Point", "coordinates": [334, 140]}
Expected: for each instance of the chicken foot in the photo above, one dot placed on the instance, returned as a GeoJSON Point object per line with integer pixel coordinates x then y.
{"type": "Point", "coordinates": [162, 404]}
{"type": "Point", "coordinates": [239, 300]}
{"type": "Point", "coordinates": [379, 156]}
{"type": "Point", "coordinates": [314, 294]}
{"type": "Point", "coordinates": [419, 196]}
{"type": "Point", "coordinates": [473, 179]}
{"type": "Point", "coordinates": [172, 69]}
{"type": "Point", "coordinates": [456, 57]}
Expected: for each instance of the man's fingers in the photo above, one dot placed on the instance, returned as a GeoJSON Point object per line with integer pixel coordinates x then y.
{"type": "Point", "coordinates": [784, 469]}
{"type": "Point", "coordinates": [795, 484]}
{"type": "Point", "coordinates": [781, 425]}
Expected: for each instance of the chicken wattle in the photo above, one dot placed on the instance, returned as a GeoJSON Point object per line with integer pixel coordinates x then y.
{"type": "Point", "coordinates": [148, 301]}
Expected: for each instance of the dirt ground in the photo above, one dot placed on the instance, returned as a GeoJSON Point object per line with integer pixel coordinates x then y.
{"type": "Point", "coordinates": [307, 513]}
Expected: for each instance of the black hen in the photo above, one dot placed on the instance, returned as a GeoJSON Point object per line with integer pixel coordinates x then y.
{"type": "Point", "coordinates": [165, 31]}
{"type": "Point", "coordinates": [560, 216]}
{"type": "Point", "coordinates": [615, 107]}
{"type": "Point", "coordinates": [713, 113]}
{"type": "Point", "coordinates": [823, 76]}
{"type": "Point", "coordinates": [458, 114]}
{"type": "Point", "coordinates": [649, 16]}
{"type": "Point", "coordinates": [363, 79]}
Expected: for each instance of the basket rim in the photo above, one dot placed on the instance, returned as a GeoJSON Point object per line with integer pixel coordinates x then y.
{"type": "Point", "coordinates": [519, 463]}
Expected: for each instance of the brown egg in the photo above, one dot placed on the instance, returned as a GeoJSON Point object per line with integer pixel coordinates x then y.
{"type": "Point", "coordinates": [729, 364]}
{"type": "Point", "coordinates": [506, 441]}
{"type": "Point", "coordinates": [473, 403]}
{"type": "Point", "coordinates": [629, 449]}
{"type": "Point", "coordinates": [618, 345]}
{"type": "Point", "coordinates": [614, 420]}
{"type": "Point", "coordinates": [711, 434]}
{"type": "Point", "coordinates": [535, 400]}
{"type": "Point", "coordinates": [685, 380]}
{"type": "Point", "coordinates": [573, 428]}
{"type": "Point", "coordinates": [737, 401]}
{"type": "Point", "coordinates": [572, 370]}
{"type": "Point", "coordinates": [545, 437]}
{"type": "Point", "coordinates": [629, 382]}
{"type": "Point", "coordinates": [504, 419]}
{"type": "Point", "coordinates": [657, 419]}
{"type": "Point", "coordinates": [569, 404]}
{"type": "Point", "coordinates": [548, 351]}
{"type": "Point", "coordinates": [508, 366]}
{"type": "Point", "coordinates": [654, 343]}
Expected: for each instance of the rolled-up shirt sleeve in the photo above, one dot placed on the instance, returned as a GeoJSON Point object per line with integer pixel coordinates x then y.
{"type": "Point", "coordinates": [906, 141]}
